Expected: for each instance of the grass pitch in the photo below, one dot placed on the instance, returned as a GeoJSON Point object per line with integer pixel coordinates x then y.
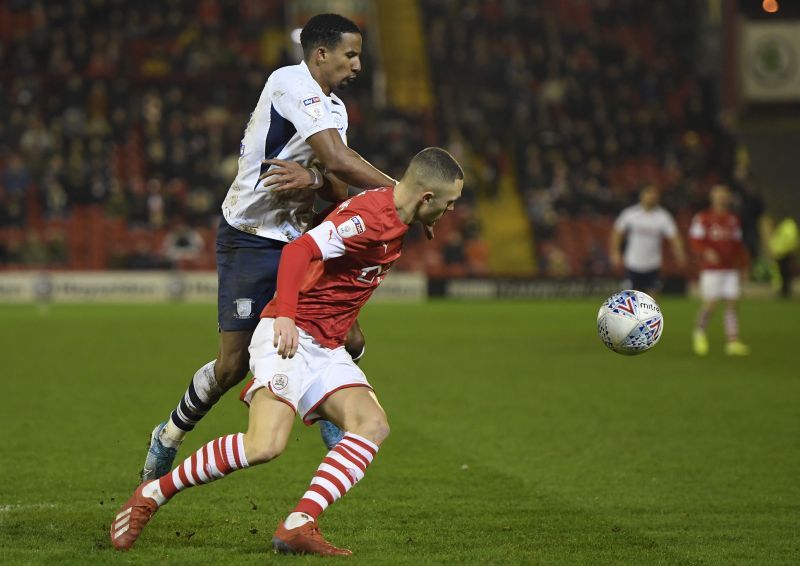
{"type": "Point", "coordinates": [516, 438]}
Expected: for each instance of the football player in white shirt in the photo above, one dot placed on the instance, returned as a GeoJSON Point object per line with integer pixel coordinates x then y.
{"type": "Point", "coordinates": [645, 225]}
{"type": "Point", "coordinates": [293, 148]}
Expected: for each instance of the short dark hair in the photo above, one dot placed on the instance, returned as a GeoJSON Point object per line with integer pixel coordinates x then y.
{"type": "Point", "coordinates": [435, 165]}
{"type": "Point", "coordinates": [325, 30]}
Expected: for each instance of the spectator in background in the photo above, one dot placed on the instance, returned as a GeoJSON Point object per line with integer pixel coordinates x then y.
{"type": "Point", "coordinates": [582, 101]}
{"type": "Point", "coordinates": [752, 210]}
{"type": "Point", "coordinates": [12, 250]}
{"type": "Point", "coordinates": [141, 257]}
{"type": "Point", "coordinates": [183, 244]}
{"type": "Point", "coordinates": [16, 177]}
{"type": "Point", "coordinates": [56, 243]}
{"type": "Point", "coordinates": [453, 254]}
{"type": "Point", "coordinates": [590, 99]}
{"type": "Point", "coordinates": [555, 262]}
{"type": "Point", "coordinates": [645, 225]}
{"type": "Point", "coordinates": [34, 251]}
{"type": "Point", "coordinates": [36, 142]}
{"type": "Point", "coordinates": [783, 244]}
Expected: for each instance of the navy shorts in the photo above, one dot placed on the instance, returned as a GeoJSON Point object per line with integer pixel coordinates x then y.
{"type": "Point", "coordinates": [247, 269]}
{"type": "Point", "coordinates": [643, 280]}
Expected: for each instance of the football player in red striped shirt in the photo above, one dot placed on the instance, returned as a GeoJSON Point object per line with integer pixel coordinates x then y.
{"type": "Point", "coordinates": [716, 238]}
{"type": "Point", "coordinates": [298, 358]}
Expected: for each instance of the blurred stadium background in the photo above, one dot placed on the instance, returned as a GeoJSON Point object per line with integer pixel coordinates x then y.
{"type": "Point", "coordinates": [121, 121]}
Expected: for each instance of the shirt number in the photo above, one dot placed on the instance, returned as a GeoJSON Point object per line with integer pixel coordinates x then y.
{"type": "Point", "coordinates": [370, 274]}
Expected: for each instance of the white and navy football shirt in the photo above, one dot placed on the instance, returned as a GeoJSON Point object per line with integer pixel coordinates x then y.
{"type": "Point", "coordinates": [645, 230]}
{"type": "Point", "coordinates": [292, 108]}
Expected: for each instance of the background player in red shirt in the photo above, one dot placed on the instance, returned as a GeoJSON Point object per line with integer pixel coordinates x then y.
{"type": "Point", "coordinates": [716, 237]}
{"type": "Point", "coordinates": [298, 358]}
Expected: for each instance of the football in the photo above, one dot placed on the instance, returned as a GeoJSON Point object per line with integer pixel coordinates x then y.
{"type": "Point", "coordinates": [630, 322]}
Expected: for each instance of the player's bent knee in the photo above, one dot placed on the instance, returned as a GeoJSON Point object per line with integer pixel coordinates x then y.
{"type": "Point", "coordinates": [260, 451]}
{"type": "Point", "coordinates": [382, 432]}
{"type": "Point", "coordinates": [376, 430]}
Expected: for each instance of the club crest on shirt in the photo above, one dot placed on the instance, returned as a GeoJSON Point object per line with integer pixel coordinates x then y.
{"type": "Point", "coordinates": [280, 381]}
{"type": "Point", "coordinates": [351, 227]}
{"type": "Point", "coordinates": [244, 308]}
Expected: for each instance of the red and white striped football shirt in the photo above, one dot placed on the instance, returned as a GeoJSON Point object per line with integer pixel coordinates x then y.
{"type": "Point", "coordinates": [721, 232]}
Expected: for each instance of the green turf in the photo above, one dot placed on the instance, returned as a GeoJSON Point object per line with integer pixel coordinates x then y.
{"type": "Point", "coordinates": [516, 438]}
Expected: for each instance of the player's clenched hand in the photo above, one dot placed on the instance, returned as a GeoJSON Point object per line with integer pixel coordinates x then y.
{"type": "Point", "coordinates": [285, 337]}
{"type": "Point", "coordinates": [286, 176]}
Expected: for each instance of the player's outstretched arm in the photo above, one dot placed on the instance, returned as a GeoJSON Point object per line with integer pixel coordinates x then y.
{"type": "Point", "coordinates": [345, 163]}
{"type": "Point", "coordinates": [338, 159]}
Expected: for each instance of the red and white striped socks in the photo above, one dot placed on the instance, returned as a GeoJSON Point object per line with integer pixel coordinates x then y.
{"type": "Point", "coordinates": [731, 324]}
{"type": "Point", "coordinates": [702, 318]}
{"type": "Point", "coordinates": [213, 461]}
{"type": "Point", "coordinates": [343, 467]}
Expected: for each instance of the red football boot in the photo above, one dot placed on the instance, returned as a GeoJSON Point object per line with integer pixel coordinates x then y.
{"type": "Point", "coordinates": [131, 519]}
{"type": "Point", "coordinates": [305, 539]}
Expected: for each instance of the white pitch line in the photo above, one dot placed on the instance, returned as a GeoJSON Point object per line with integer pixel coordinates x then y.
{"type": "Point", "coordinates": [10, 507]}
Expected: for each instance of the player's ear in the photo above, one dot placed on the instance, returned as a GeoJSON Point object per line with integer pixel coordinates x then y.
{"type": "Point", "coordinates": [426, 197]}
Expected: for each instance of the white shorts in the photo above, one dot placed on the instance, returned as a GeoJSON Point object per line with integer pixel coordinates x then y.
{"type": "Point", "coordinates": [719, 284]}
{"type": "Point", "coordinates": [304, 381]}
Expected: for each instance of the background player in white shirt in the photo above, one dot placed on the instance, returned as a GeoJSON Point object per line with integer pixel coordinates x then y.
{"type": "Point", "coordinates": [645, 225]}
{"type": "Point", "coordinates": [298, 122]}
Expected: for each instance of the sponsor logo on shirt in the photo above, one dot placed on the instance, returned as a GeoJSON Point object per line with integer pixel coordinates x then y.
{"type": "Point", "coordinates": [312, 105]}
{"type": "Point", "coordinates": [351, 227]}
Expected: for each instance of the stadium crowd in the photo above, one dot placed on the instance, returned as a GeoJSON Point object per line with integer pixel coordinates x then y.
{"type": "Point", "coordinates": [139, 112]}
{"type": "Point", "coordinates": [603, 96]}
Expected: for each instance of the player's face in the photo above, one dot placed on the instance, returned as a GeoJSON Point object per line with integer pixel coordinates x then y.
{"type": "Point", "coordinates": [649, 197]}
{"type": "Point", "coordinates": [344, 61]}
{"type": "Point", "coordinates": [438, 201]}
{"type": "Point", "coordinates": [720, 197]}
